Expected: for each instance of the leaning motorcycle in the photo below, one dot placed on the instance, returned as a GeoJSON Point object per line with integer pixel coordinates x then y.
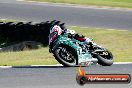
{"type": "Point", "coordinates": [70, 52]}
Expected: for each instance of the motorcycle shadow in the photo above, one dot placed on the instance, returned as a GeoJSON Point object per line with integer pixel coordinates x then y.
{"type": "Point", "coordinates": [46, 66]}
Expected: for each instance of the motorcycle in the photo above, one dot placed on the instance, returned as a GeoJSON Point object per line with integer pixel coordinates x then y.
{"type": "Point", "coordinates": [71, 52]}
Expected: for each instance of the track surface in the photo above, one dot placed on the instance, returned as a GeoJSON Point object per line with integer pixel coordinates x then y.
{"type": "Point", "coordinates": [72, 15]}
{"type": "Point", "coordinates": [57, 77]}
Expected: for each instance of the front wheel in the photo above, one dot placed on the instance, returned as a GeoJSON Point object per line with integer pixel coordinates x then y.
{"type": "Point", "coordinates": [105, 58]}
{"type": "Point", "coordinates": [66, 56]}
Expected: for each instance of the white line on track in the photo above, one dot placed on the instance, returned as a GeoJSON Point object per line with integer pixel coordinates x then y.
{"type": "Point", "coordinates": [48, 65]}
{"type": "Point", "coordinates": [110, 29]}
{"type": "Point", "coordinates": [20, 0]}
{"type": "Point", "coordinates": [122, 62]}
{"type": "Point", "coordinates": [3, 19]}
{"type": "Point", "coordinates": [5, 67]}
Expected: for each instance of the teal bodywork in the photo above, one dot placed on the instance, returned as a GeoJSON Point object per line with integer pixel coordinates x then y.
{"type": "Point", "coordinates": [83, 57]}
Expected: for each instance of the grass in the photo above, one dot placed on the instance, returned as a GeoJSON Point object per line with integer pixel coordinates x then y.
{"type": "Point", "coordinates": [4, 20]}
{"type": "Point", "coordinates": [34, 57]}
{"type": "Point", "coordinates": [111, 3]}
{"type": "Point", "coordinates": [119, 42]}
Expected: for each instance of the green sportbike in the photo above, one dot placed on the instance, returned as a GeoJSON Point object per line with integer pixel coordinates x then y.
{"type": "Point", "coordinates": [70, 52]}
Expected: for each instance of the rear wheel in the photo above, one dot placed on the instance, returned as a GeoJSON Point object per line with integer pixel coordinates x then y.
{"type": "Point", "coordinates": [66, 56]}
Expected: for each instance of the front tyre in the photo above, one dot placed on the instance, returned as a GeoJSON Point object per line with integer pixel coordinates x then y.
{"type": "Point", "coordinates": [66, 56]}
{"type": "Point", "coordinates": [105, 58]}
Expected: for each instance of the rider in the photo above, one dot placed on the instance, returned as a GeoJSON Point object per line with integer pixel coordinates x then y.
{"type": "Point", "coordinates": [77, 36]}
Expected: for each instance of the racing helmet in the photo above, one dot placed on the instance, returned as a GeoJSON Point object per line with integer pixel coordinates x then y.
{"type": "Point", "coordinates": [57, 29]}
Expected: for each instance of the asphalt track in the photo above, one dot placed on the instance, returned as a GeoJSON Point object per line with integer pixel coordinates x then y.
{"type": "Point", "coordinates": [61, 77]}
{"type": "Point", "coordinates": [58, 77]}
{"type": "Point", "coordinates": [71, 15]}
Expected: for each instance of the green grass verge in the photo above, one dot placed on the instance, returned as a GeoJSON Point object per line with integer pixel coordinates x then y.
{"type": "Point", "coordinates": [4, 20]}
{"type": "Point", "coordinates": [34, 57]}
{"type": "Point", "coordinates": [111, 3]}
{"type": "Point", "coordinates": [119, 42]}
